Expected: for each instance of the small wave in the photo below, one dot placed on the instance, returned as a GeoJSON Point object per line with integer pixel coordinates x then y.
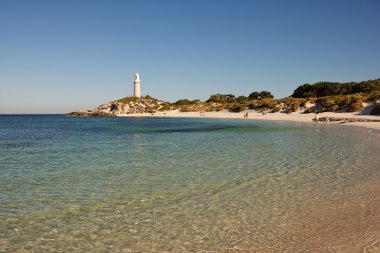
{"type": "Point", "coordinates": [16, 145]}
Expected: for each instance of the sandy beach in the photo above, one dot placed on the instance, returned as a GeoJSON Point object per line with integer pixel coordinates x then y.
{"type": "Point", "coordinates": [279, 116]}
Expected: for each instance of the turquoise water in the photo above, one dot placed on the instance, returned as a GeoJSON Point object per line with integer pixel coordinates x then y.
{"type": "Point", "coordinates": [182, 185]}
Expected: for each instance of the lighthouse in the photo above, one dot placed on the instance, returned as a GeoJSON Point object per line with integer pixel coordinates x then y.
{"type": "Point", "coordinates": [137, 86]}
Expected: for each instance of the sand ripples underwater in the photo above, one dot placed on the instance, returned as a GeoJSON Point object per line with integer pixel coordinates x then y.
{"type": "Point", "coordinates": [186, 185]}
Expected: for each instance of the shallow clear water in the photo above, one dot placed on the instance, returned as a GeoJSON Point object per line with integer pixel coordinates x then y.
{"type": "Point", "coordinates": [184, 185]}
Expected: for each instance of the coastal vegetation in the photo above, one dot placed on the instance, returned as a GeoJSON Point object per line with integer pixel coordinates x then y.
{"type": "Point", "coordinates": [307, 98]}
{"type": "Point", "coordinates": [323, 89]}
{"type": "Point", "coordinates": [333, 103]}
{"type": "Point", "coordinates": [375, 110]}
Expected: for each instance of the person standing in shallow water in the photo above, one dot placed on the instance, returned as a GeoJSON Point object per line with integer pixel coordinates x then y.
{"type": "Point", "coordinates": [316, 117]}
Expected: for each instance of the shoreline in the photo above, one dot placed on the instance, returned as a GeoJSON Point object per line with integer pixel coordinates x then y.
{"type": "Point", "coordinates": [298, 117]}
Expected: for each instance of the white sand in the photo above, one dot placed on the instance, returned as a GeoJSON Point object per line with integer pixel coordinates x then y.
{"type": "Point", "coordinates": [279, 116]}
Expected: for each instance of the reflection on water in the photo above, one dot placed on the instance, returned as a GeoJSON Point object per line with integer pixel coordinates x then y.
{"type": "Point", "coordinates": [186, 185]}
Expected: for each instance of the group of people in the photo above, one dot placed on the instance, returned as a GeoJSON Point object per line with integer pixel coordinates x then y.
{"type": "Point", "coordinates": [317, 118]}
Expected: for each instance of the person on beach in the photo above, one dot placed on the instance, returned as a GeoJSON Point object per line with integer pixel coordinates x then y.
{"type": "Point", "coordinates": [327, 119]}
{"type": "Point", "coordinates": [316, 117]}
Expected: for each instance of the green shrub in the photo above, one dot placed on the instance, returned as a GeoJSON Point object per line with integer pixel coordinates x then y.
{"type": "Point", "coordinates": [183, 102]}
{"type": "Point", "coordinates": [276, 109]}
{"type": "Point", "coordinates": [294, 107]}
{"type": "Point", "coordinates": [354, 107]}
{"type": "Point", "coordinates": [289, 109]}
{"type": "Point", "coordinates": [260, 95]}
{"type": "Point", "coordinates": [375, 110]}
{"type": "Point", "coordinates": [220, 98]}
{"type": "Point", "coordinates": [328, 103]}
{"type": "Point", "coordinates": [253, 105]}
{"type": "Point", "coordinates": [265, 94]}
{"type": "Point", "coordinates": [308, 110]}
{"type": "Point", "coordinates": [343, 104]}
{"type": "Point", "coordinates": [254, 95]}
{"type": "Point", "coordinates": [237, 108]}
{"type": "Point", "coordinates": [303, 103]}
{"type": "Point", "coordinates": [114, 107]}
{"type": "Point", "coordinates": [333, 108]}
{"type": "Point", "coordinates": [268, 103]}
{"type": "Point", "coordinates": [165, 107]}
{"type": "Point", "coordinates": [127, 100]}
{"type": "Point", "coordinates": [373, 96]}
{"type": "Point", "coordinates": [242, 99]}
{"type": "Point", "coordinates": [322, 89]}
{"type": "Point", "coordinates": [185, 109]}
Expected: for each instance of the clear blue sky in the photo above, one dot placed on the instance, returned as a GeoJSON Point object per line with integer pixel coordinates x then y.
{"type": "Point", "coordinates": [60, 56]}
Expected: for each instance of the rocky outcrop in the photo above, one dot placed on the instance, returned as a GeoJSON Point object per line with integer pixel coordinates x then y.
{"type": "Point", "coordinates": [127, 105]}
{"type": "Point", "coordinates": [90, 113]}
{"type": "Point", "coordinates": [132, 105]}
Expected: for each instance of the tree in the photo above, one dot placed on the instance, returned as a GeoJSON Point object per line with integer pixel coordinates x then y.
{"type": "Point", "coordinates": [195, 101]}
{"type": "Point", "coordinates": [182, 102]}
{"type": "Point", "coordinates": [254, 95]}
{"type": "Point", "coordinates": [265, 94]}
{"type": "Point", "coordinates": [241, 99]}
{"type": "Point", "coordinates": [322, 89]}
{"type": "Point", "coordinates": [221, 98]}
{"type": "Point", "coordinates": [260, 95]}
{"type": "Point", "coordinates": [237, 108]}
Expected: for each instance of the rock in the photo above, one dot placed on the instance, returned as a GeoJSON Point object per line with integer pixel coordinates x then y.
{"type": "Point", "coordinates": [128, 105]}
{"type": "Point", "coordinates": [90, 113]}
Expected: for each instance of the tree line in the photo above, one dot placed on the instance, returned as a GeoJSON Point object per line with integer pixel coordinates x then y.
{"type": "Point", "coordinates": [323, 89]}
{"type": "Point", "coordinates": [316, 90]}
{"type": "Point", "coordinates": [228, 98]}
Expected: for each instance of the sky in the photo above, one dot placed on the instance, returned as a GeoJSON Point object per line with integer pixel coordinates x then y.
{"type": "Point", "coordinates": [68, 55]}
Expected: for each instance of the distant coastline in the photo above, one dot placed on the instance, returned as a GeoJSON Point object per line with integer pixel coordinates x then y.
{"type": "Point", "coordinates": [344, 103]}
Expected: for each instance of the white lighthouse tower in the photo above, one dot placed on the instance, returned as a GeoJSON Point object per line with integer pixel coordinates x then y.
{"type": "Point", "coordinates": [137, 86]}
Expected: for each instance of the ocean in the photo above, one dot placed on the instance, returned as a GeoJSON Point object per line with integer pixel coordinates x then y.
{"type": "Point", "coordinates": [73, 184]}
